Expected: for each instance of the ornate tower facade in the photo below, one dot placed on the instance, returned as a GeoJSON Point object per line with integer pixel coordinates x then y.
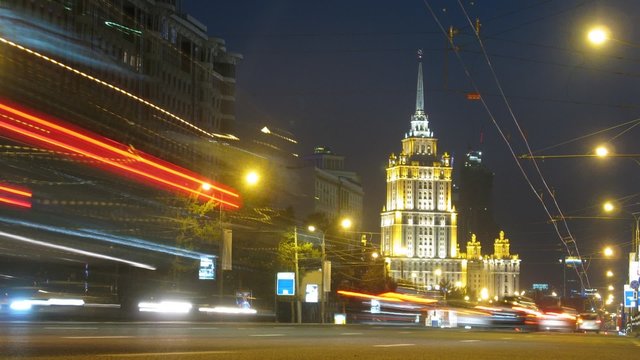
{"type": "Point", "coordinates": [419, 221]}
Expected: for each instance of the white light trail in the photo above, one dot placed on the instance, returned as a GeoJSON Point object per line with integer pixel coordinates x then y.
{"type": "Point", "coordinates": [74, 250]}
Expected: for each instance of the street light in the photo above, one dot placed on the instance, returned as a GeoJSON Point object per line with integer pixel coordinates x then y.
{"type": "Point", "coordinates": [252, 178]}
{"type": "Point", "coordinates": [602, 151]}
{"type": "Point", "coordinates": [598, 35]}
{"type": "Point", "coordinates": [609, 273]}
{"type": "Point", "coordinates": [608, 207]}
{"type": "Point", "coordinates": [346, 223]}
{"type": "Point", "coordinates": [312, 228]}
{"type": "Point", "coordinates": [608, 251]}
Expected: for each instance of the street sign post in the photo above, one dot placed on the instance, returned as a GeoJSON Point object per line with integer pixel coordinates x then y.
{"type": "Point", "coordinates": [630, 297]}
{"type": "Point", "coordinates": [286, 284]}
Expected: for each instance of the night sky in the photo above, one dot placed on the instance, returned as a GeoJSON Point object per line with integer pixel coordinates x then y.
{"type": "Point", "coordinates": [343, 74]}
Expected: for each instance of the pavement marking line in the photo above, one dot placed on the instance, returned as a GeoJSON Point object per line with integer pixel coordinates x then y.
{"type": "Point", "coordinates": [266, 335]}
{"type": "Point", "coordinates": [469, 341]}
{"type": "Point", "coordinates": [351, 333]}
{"type": "Point", "coordinates": [69, 328]}
{"type": "Point", "coordinates": [394, 345]}
{"type": "Point", "coordinates": [97, 337]}
{"type": "Point", "coordinates": [166, 354]}
{"type": "Point", "coordinates": [506, 338]}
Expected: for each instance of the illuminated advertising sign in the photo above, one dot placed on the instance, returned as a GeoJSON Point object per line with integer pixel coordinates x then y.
{"type": "Point", "coordinates": [207, 269]}
{"type": "Point", "coordinates": [311, 293]}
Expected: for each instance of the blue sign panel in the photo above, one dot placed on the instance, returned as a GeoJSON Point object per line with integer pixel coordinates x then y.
{"type": "Point", "coordinates": [286, 284]}
{"type": "Point", "coordinates": [630, 298]}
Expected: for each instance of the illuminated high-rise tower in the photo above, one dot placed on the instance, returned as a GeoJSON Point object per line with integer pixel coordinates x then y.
{"type": "Point", "coordinates": [419, 220]}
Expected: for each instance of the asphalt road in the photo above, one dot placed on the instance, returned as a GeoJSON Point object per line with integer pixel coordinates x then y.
{"type": "Point", "coordinates": [186, 340]}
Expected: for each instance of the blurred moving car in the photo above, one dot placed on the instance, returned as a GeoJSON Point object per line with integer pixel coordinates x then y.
{"type": "Point", "coordinates": [589, 322]}
{"type": "Point", "coordinates": [558, 319]}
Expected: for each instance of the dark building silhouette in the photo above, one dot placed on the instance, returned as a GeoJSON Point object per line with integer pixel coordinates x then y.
{"type": "Point", "coordinates": [474, 199]}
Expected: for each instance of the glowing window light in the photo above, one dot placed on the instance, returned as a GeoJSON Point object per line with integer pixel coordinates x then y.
{"type": "Point", "coordinates": [74, 250]}
{"type": "Point", "coordinates": [120, 90]}
{"type": "Point", "coordinates": [116, 164]}
{"type": "Point", "coordinates": [138, 156]}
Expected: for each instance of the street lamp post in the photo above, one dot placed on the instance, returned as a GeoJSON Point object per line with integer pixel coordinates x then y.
{"type": "Point", "coordinates": [324, 270]}
{"type": "Point", "coordinates": [636, 240]}
{"type": "Point", "coordinates": [297, 275]}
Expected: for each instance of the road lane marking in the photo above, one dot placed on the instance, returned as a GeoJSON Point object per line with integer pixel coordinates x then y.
{"type": "Point", "coordinates": [468, 341]}
{"type": "Point", "coordinates": [97, 337]}
{"type": "Point", "coordinates": [203, 328]}
{"type": "Point", "coordinates": [394, 345]}
{"type": "Point", "coordinates": [351, 333]}
{"type": "Point", "coordinates": [69, 328]}
{"type": "Point", "coordinates": [182, 353]}
{"type": "Point", "coordinates": [265, 335]}
{"type": "Point", "coordinates": [506, 338]}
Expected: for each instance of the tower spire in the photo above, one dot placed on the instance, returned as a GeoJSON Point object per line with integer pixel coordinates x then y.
{"type": "Point", "coordinates": [420, 89]}
{"type": "Point", "coordinates": [419, 120]}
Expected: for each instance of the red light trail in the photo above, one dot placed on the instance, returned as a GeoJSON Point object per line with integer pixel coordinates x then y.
{"type": "Point", "coordinates": [15, 196]}
{"type": "Point", "coordinates": [35, 130]}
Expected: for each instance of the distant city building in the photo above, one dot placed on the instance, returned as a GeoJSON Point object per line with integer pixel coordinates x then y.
{"type": "Point", "coordinates": [419, 221]}
{"type": "Point", "coordinates": [498, 273]}
{"type": "Point", "coordinates": [338, 192]}
{"type": "Point", "coordinates": [145, 47]}
{"type": "Point", "coordinates": [473, 202]}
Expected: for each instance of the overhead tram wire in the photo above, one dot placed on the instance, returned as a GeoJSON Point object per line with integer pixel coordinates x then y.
{"type": "Point", "coordinates": [634, 122]}
{"type": "Point", "coordinates": [526, 142]}
{"type": "Point", "coordinates": [493, 119]}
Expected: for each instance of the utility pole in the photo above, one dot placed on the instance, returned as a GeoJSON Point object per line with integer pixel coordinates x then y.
{"type": "Point", "coordinates": [297, 281]}
{"type": "Point", "coordinates": [324, 285]}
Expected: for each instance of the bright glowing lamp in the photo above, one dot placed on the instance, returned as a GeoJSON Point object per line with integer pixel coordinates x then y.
{"type": "Point", "coordinates": [602, 151]}
{"type": "Point", "coordinates": [484, 293]}
{"type": "Point", "coordinates": [252, 178]}
{"type": "Point", "coordinates": [346, 223]}
{"type": "Point", "coordinates": [598, 35]}
{"type": "Point", "coordinates": [608, 206]}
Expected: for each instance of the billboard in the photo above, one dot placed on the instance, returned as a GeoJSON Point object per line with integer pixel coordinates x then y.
{"type": "Point", "coordinates": [311, 293]}
{"type": "Point", "coordinates": [207, 270]}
